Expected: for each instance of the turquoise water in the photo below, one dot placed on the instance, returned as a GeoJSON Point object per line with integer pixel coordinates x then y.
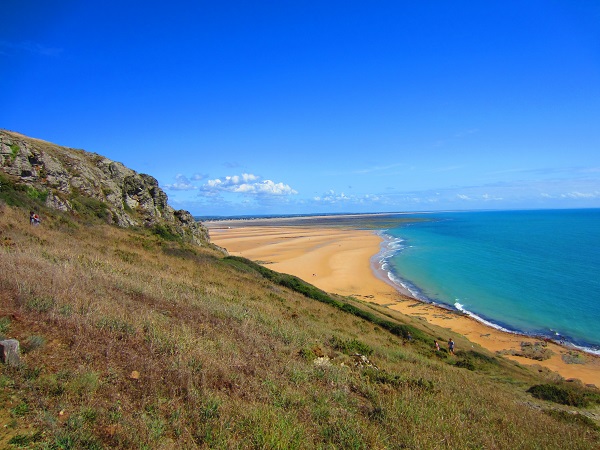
{"type": "Point", "coordinates": [532, 272]}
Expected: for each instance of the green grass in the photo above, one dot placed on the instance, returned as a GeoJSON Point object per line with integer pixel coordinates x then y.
{"type": "Point", "coordinates": [11, 193]}
{"type": "Point", "coordinates": [164, 232]}
{"type": "Point", "coordinates": [573, 418]}
{"type": "Point", "coordinates": [39, 196]}
{"type": "Point", "coordinates": [566, 394]}
{"type": "Point", "coordinates": [139, 342]}
{"type": "Point", "coordinates": [4, 325]}
{"type": "Point", "coordinates": [90, 207]}
{"type": "Point", "coordinates": [14, 151]}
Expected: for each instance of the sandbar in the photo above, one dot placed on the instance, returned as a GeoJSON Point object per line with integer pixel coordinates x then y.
{"type": "Point", "coordinates": [339, 260]}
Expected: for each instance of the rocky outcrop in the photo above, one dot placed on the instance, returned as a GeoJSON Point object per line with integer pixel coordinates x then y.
{"type": "Point", "coordinates": [69, 178]}
{"type": "Point", "coordinates": [9, 352]}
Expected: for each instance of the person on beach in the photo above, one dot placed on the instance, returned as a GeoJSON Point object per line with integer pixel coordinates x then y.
{"type": "Point", "coordinates": [451, 346]}
{"type": "Point", "coordinates": [437, 346]}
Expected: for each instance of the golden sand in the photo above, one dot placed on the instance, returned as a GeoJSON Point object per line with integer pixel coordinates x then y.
{"type": "Point", "coordinates": [339, 261]}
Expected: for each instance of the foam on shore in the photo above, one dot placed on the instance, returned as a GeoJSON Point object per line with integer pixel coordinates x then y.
{"type": "Point", "coordinates": [391, 246]}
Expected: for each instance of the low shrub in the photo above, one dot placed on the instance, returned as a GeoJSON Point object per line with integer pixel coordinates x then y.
{"type": "Point", "coordinates": [537, 351]}
{"type": "Point", "coordinates": [350, 346]}
{"type": "Point", "coordinates": [393, 379]}
{"type": "Point", "coordinates": [164, 232]}
{"type": "Point", "coordinates": [14, 194]}
{"type": "Point", "coordinates": [574, 358]}
{"type": "Point", "coordinates": [573, 418]}
{"type": "Point", "coordinates": [37, 195]}
{"type": "Point", "coordinates": [90, 207]}
{"type": "Point", "coordinates": [473, 360]}
{"type": "Point", "coordinates": [40, 304]}
{"type": "Point", "coordinates": [572, 395]}
{"type": "Point", "coordinates": [14, 151]}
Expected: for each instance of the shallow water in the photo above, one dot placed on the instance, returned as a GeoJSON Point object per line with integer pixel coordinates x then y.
{"type": "Point", "coordinates": [533, 272]}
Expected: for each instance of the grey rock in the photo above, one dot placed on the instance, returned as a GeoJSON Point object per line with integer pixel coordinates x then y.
{"type": "Point", "coordinates": [9, 352]}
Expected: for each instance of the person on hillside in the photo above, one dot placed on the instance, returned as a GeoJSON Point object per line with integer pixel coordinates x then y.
{"type": "Point", "coordinates": [437, 346]}
{"type": "Point", "coordinates": [36, 219]}
{"type": "Point", "coordinates": [31, 217]}
{"type": "Point", "coordinates": [451, 346]}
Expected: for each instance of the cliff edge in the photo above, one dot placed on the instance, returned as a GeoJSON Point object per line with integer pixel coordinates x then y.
{"type": "Point", "coordinates": [70, 180]}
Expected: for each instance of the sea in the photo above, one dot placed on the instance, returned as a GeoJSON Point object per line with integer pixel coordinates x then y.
{"type": "Point", "coordinates": [529, 272]}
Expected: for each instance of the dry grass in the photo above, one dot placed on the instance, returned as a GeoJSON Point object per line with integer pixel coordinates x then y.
{"type": "Point", "coordinates": [136, 342]}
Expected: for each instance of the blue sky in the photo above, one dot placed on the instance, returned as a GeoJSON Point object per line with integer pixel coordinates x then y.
{"type": "Point", "coordinates": [266, 107]}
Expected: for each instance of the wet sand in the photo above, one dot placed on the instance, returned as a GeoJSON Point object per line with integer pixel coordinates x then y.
{"type": "Point", "coordinates": [339, 261]}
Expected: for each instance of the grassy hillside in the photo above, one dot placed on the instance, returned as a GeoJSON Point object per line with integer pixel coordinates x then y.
{"type": "Point", "coordinates": [130, 340]}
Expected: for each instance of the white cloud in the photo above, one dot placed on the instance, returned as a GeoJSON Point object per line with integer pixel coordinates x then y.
{"type": "Point", "coordinates": [181, 184]}
{"type": "Point", "coordinates": [249, 184]}
{"type": "Point", "coordinates": [332, 197]}
{"type": "Point", "coordinates": [573, 195]}
{"type": "Point", "coordinates": [577, 195]}
{"type": "Point", "coordinates": [490, 197]}
{"type": "Point", "coordinates": [475, 197]}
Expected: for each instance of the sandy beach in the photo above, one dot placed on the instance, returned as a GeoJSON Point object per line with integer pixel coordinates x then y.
{"type": "Point", "coordinates": [338, 260]}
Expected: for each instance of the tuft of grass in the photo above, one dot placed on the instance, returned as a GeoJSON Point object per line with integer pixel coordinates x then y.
{"type": "Point", "coordinates": [89, 207]}
{"type": "Point", "coordinates": [83, 384]}
{"type": "Point", "coordinates": [32, 343]}
{"type": "Point", "coordinates": [15, 194]}
{"type": "Point", "coordinates": [571, 395]}
{"type": "Point", "coordinates": [37, 195]}
{"type": "Point", "coordinates": [473, 360]}
{"type": "Point", "coordinates": [115, 325]}
{"type": "Point", "coordinates": [14, 151]}
{"type": "Point", "coordinates": [41, 304]}
{"type": "Point", "coordinates": [350, 346]}
{"type": "Point", "coordinates": [164, 232]}
{"type": "Point", "coordinates": [125, 256]}
{"type": "Point", "coordinates": [4, 324]}
{"type": "Point", "coordinates": [573, 418]}
{"type": "Point", "coordinates": [210, 408]}
{"type": "Point", "coordinates": [20, 410]}
{"type": "Point", "coordinates": [25, 440]}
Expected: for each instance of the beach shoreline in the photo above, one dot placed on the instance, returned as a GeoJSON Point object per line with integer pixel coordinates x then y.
{"type": "Point", "coordinates": [341, 260]}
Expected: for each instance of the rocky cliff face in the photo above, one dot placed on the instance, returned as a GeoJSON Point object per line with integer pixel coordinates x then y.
{"type": "Point", "coordinates": [68, 176]}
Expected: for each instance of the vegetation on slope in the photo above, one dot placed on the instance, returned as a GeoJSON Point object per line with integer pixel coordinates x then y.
{"type": "Point", "coordinates": [131, 339]}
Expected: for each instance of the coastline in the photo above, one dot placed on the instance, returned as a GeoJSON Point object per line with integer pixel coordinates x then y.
{"type": "Point", "coordinates": [341, 260]}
